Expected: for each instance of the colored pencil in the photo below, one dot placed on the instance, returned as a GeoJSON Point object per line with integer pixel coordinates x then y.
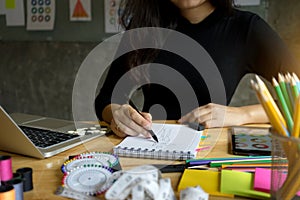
{"type": "Point", "coordinates": [297, 81]}
{"type": "Point", "coordinates": [284, 92]}
{"type": "Point", "coordinates": [205, 161]}
{"type": "Point", "coordinates": [288, 84]}
{"type": "Point", "coordinates": [296, 128]}
{"type": "Point", "coordinates": [264, 90]}
{"type": "Point", "coordinates": [295, 89]}
{"type": "Point", "coordinates": [276, 118]}
{"type": "Point", "coordinates": [268, 98]}
{"type": "Point", "coordinates": [283, 105]}
{"type": "Point", "coordinates": [249, 161]}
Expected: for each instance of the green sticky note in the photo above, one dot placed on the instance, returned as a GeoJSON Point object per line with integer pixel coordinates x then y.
{"type": "Point", "coordinates": [10, 4]}
{"type": "Point", "coordinates": [241, 184]}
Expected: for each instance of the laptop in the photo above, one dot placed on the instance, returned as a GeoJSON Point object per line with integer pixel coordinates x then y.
{"type": "Point", "coordinates": [43, 137]}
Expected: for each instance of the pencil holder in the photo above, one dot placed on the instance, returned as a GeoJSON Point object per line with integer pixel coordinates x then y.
{"type": "Point", "coordinates": [285, 177]}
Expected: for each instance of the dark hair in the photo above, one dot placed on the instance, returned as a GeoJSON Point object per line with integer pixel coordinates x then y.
{"type": "Point", "coordinates": [225, 5]}
{"type": "Point", "coordinates": [153, 13]}
{"type": "Point", "coordinates": [158, 13]}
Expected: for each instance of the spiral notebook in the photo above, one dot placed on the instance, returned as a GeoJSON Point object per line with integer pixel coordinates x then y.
{"type": "Point", "coordinates": [176, 142]}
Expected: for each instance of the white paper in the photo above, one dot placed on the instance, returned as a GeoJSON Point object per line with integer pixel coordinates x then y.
{"type": "Point", "coordinates": [80, 10]}
{"type": "Point", "coordinates": [111, 16]}
{"type": "Point", "coordinates": [40, 14]}
{"type": "Point", "coordinates": [171, 137]}
{"type": "Point", "coordinates": [15, 16]}
{"type": "Point", "coordinates": [247, 2]}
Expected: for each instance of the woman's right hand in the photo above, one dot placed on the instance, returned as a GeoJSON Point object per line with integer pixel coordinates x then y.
{"type": "Point", "coordinates": [127, 121]}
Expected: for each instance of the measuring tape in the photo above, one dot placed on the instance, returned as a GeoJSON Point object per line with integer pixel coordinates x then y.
{"type": "Point", "coordinates": [193, 193]}
{"type": "Point", "coordinates": [88, 159]}
{"type": "Point", "coordinates": [143, 182]}
{"type": "Point", "coordinates": [65, 192]}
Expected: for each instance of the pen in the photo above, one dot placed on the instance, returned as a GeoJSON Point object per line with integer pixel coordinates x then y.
{"type": "Point", "coordinates": [170, 168]}
{"type": "Point", "coordinates": [150, 131]}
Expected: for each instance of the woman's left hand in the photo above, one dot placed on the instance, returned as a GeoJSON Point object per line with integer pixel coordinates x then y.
{"type": "Point", "coordinates": [215, 115]}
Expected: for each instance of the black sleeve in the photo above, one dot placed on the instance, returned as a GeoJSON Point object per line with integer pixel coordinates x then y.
{"type": "Point", "coordinates": [267, 53]}
{"type": "Point", "coordinates": [120, 82]}
{"type": "Point", "coordinates": [104, 98]}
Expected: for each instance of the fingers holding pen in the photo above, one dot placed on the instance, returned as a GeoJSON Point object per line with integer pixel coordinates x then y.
{"type": "Point", "coordinates": [127, 121]}
{"type": "Point", "coordinates": [143, 120]}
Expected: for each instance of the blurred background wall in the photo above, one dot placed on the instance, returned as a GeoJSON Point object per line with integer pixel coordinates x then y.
{"type": "Point", "coordinates": [38, 68]}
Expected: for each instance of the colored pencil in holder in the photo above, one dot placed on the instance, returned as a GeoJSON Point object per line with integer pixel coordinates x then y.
{"type": "Point", "coordinates": [283, 105]}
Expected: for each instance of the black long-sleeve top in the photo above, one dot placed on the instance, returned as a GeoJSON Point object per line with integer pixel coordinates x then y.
{"type": "Point", "coordinates": [238, 44]}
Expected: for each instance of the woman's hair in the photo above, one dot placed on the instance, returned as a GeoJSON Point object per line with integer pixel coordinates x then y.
{"type": "Point", "coordinates": [158, 13]}
{"type": "Point", "coordinates": [153, 13]}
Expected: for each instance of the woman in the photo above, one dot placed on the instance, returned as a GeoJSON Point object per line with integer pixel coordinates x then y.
{"type": "Point", "coordinates": [239, 42]}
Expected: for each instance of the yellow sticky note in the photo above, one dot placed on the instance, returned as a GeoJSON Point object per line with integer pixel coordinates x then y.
{"type": "Point", "coordinates": [209, 181]}
{"type": "Point", "coordinates": [241, 184]}
{"type": "Point", "coordinates": [10, 4]}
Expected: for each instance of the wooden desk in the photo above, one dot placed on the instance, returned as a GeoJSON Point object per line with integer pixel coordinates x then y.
{"type": "Point", "coordinates": [47, 175]}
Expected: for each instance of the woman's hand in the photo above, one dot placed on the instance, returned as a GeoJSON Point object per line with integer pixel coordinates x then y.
{"type": "Point", "coordinates": [215, 115]}
{"type": "Point", "coordinates": [127, 121]}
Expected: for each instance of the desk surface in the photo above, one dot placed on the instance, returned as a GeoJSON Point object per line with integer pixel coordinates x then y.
{"type": "Point", "coordinates": [47, 175]}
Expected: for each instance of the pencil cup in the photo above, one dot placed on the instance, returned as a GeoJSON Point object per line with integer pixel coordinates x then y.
{"type": "Point", "coordinates": [285, 177]}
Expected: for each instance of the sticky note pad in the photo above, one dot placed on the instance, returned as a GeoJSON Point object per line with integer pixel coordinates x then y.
{"type": "Point", "coordinates": [262, 180]}
{"type": "Point", "coordinates": [208, 180]}
{"type": "Point", "coordinates": [241, 184]}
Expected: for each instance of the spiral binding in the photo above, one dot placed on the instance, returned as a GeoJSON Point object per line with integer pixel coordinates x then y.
{"type": "Point", "coordinates": [153, 154]}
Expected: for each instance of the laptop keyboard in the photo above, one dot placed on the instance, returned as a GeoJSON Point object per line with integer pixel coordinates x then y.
{"type": "Point", "coordinates": [46, 138]}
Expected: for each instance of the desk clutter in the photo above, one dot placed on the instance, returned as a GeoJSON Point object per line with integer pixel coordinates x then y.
{"type": "Point", "coordinates": [229, 177]}
{"type": "Point", "coordinates": [94, 175]}
{"type": "Point", "coordinates": [90, 175]}
{"type": "Point", "coordinates": [12, 185]}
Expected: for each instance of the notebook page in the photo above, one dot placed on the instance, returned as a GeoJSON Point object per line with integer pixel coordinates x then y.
{"type": "Point", "coordinates": [171, 137]}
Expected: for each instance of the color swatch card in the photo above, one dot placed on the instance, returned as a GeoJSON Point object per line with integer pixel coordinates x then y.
{"type": "Point", "coordinates": [112, 10]}
{"type": "Point", "coordinates": [14, 11]}
{"type": "Point", "coordinates": [40, 14]}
